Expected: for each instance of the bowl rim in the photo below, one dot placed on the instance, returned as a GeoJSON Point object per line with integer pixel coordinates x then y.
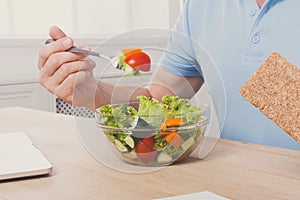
{"type": "Point", "coordinates": [202, 122]}
{"type": "Point", "coordinates": [203, 108]}
{"type": "Point", "coordinates": [129, 130]}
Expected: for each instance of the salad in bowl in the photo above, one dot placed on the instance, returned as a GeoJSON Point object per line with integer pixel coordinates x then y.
{"type": "Point", "coordinates": [152, 132]}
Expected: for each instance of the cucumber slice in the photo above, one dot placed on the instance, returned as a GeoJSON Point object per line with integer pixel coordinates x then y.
{"type": "Point", "coordinates": [129, 141]}
{"type": "Point", "coordinates": [120, 146]}
{"type": "Point", "coordinates": [164, 158]}
{"type": "Point", "coordinates": [130, 155]}
{"type": "Point", "coordinates": [134, 122]}
{"type": "Point", "coordinates": [188, 143]}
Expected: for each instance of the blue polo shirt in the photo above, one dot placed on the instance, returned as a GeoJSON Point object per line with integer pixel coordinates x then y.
{"type": "Point", "coordinates": [238, 37]}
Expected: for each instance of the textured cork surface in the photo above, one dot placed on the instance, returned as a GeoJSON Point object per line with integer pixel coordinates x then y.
{"type": "Point", "coordinates": [275, 90]}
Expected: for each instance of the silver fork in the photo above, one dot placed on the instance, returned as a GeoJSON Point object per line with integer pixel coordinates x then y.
{"type": "Point", "coordinates": [112, 59]}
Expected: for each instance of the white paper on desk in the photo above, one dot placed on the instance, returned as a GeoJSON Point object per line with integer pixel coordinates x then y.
{"type": "Point", "coordinates": [198, 195]}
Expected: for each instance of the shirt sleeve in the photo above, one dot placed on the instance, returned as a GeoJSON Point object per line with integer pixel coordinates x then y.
{"type": "Point", "coordinates": [179, 57]}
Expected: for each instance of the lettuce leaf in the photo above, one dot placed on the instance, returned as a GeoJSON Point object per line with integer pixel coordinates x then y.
{"type": "Point", "coordinates": [182, 108]}
{"type": "Point", "coordinates": [152, 111]}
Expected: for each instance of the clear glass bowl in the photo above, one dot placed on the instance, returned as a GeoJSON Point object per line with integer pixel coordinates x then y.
{"type": "Point", "coordinates": [155, 140]}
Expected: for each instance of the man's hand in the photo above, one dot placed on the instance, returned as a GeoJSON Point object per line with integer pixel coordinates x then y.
{"type": "Point", "coordinates": [67, 75]}
{"type": "Point", "coordinates": [70, 77]}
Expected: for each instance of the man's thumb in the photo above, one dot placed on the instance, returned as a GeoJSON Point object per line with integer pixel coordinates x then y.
{"type": "Point", "coordinates": [56, 33]}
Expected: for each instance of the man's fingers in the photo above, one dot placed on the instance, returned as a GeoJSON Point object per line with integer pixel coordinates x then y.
{"type": "Point", "coordinates": [55, 61]}
{"type": "Point", "coordinates": [70, 68]}
{"type": "Point", "coordinates": [62, 43]}
{"type": "Point", "coordinates": [65, 90]}
{"type": "Point", "coordinates": [59, 45]}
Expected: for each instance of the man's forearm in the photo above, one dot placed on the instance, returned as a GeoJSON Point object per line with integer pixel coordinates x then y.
{"type": "Point", "coordinates": [163, 83]}
{"type": "Point", "coordinates": [107, 93]}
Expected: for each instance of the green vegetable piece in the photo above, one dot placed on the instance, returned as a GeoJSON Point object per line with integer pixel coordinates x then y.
{"type": "Point", "coordinates": [188, 143]}
{"type": "Point", "coordinates": [131, 111]}
{"type": "Point", "coordinates": [144, 105]}
{"type": "Point", "coordinates": [151, 107]}
{"type": "Point", "coordinates": [120, 146]}
{"type": "Point", "coordinates": [130, 155]}
{"type": "Point", "coordinates": [106, 109]}
{"type": "Point", "coordinates": [122, 118]}
{"type": "Point", "coordinates": [129, 141]}
{"type": "Point", "coordinates": [164, 158]}
{"type": "Point", "coordinates": [178, 106]}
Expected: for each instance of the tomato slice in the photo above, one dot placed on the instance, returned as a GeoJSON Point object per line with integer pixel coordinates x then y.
{"type": "Point", "coordinates": [144, 150]}
{"type": "Point", "coordinates": [149, 141]}
{"type": "Point", "coordinates": [138, 60]}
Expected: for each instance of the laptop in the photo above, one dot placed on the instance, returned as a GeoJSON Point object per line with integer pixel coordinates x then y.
{"type": "Point", "coordinates": [20, 158]}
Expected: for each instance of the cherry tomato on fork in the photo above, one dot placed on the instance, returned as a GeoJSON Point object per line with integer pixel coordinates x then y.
{"type": "Point", "coordinates": [136, 59]}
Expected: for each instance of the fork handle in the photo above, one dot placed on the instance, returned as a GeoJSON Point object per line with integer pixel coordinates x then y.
{"type": "Point", "coordinates": [77, 50]}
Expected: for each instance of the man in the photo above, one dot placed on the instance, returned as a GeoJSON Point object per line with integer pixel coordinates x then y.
{"type": "Point", "coordinates": [238, 35]}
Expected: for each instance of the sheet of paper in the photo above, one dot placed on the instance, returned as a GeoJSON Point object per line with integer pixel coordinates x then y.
{"type": "Point", "coordinates": [20, 158]}
{"type": "Point", "coordinates": [198, 195]}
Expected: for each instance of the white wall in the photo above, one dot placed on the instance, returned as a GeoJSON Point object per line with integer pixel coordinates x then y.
{"type": "Point", "coordinates": [84, 18]}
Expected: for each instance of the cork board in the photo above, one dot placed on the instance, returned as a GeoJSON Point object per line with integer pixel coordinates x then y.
{"type": "Point", "coordinates": [275, 90]}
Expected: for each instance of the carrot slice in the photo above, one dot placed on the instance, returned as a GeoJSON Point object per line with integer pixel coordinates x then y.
{"type": "Point", "coordinates": [175, 122]}
{"type": "Point", "coordinates": [127, 52]}
{"type": "Point", "coordinates": [170, 136]}
{"type": "Point", "coordinates": [174, 139]}
{"type": "Point", "coordinates": [177, 141]}
{"type": "Point", "coordinates": [163, 126]}
{"type": "Point", "coordinates": [167, 132]}
{"type": "Point", "coordinates": [164, 132]}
